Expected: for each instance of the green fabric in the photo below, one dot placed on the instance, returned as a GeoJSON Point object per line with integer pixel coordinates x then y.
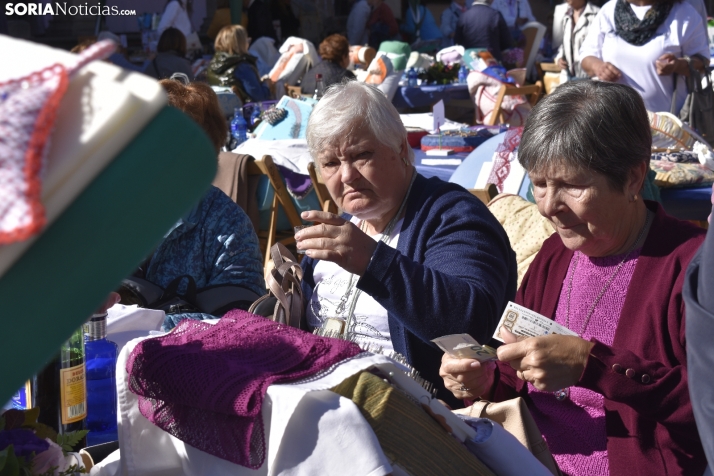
{"type": "Point", "coordinates": [98, 240]}
{"type": "Point", "coordinates": [408, 435]}
{"type": "Point", "coordinates": [650, 191]}
{"type": "Point", "coordinates": [398, 53]}
{"type": "Point", "coordinates": [469, 57]}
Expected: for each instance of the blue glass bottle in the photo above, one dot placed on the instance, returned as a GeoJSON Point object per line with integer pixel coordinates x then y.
{"type": "Point", "coordinates": [239, 127]}
{"type": "Point", "coordinates": [101, 359]}
{"type": "Point", "coordinates": [412, 78]}
{"type": "Point", "coordinates": [463, 74]}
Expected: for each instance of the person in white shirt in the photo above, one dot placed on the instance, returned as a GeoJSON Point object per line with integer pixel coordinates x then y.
{"type": "Point", "coordinates": [450, 18]}
{"type": "Point", "coordinates": [176, 15]}
{"type": "Point", "coordinates": [576, 22]}
{"type": "Point", "coordinates": [516, 12]}
{"type": "Point", "coordinates": [357, 32]}
{"type": "Point", "coordinates": [628, 45]}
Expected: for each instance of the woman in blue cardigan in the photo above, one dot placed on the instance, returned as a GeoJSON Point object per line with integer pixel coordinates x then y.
{"type": "Point", "coordinates": [416, 259]}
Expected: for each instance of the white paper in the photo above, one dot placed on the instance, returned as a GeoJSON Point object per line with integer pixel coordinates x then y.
{"type": "Point", "coordinates": [425, 120]}
{"type": "Point", "coordinates": [438, 115]}
{"type": "Point", "coordinates": [463, 346]}
{"type": "Point", "coordinates": [521, 321]}
{"type": "Point", "coordinates": [484, 173]}
{"type": "Point", "coordinates": [515, 177]}
{"type": "Point", "coordinates": [440, 161]}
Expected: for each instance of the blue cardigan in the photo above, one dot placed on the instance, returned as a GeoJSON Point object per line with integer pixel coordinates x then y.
{"type": "Point", "coordinates": [453, 271]}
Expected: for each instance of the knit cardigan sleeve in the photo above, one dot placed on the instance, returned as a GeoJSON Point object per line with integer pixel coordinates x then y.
{"type": "Point", "coordinates": [453, 270]}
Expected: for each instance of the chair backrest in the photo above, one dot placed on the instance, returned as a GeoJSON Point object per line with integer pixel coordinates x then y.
{"type": "Point", "coordinates": [485, 194]}
{"type": "Point", "coordinates": [533, 33]}
{"type": "Point", "coordinates": [326, 202]}
{"type": "Point", "coordinates": [533, 92]}
{"type": "Point", "coordinates": [269, 237]}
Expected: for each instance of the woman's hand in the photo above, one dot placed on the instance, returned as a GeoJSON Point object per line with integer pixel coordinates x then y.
{"type": "Point", "coordinates": [548, 362]}
{"type": "Point", "coordinates": [562, 63]}
{"type": "Point", "coordinates": [469, 374]}
{"type": "Point", "coordinates": [607, 72]}
{"type": "Point", "coordinates": [338, 240]}
{"type": "Point", "coordinates": [595, 67]}
{"type": "Point", "coordinates": [667, 64]}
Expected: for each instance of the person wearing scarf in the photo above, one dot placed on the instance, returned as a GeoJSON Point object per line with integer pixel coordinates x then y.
{"type": "Point", "coordinates": [642, 43]}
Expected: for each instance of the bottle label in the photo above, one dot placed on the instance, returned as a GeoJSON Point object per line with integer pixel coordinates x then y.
{"type": "Point", "coordinates": [22, 399]}
{"type": "Point", "coordinates": [73, 394]}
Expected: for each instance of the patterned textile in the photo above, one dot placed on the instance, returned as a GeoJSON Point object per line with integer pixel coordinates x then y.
{"type": "Point", "coordinates": [204, 384]}
{"type": "Point", "coordinates": [634, 31]}
{"type": "Point", "coordinates": [505, 153]}
{"type": "Point", "coordinates": [683, 156]}
{"type": "Point", "coordinates": [677, 175]}
{"type": "Point", "coordinates": [526, 228]}
{"type": "Point", "coordinates": [215, 244]}
{"type": "Point", "coordinates": [28, 107]}
{"type": "Point", "coordinates": [408, 435]}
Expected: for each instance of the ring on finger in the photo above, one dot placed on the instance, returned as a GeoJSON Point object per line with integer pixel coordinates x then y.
{"type": "Point", "coordinates": [463, 389]}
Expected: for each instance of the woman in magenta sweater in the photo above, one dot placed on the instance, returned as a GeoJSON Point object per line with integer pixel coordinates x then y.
{"type": "Point", "coordinates": [613, 400]}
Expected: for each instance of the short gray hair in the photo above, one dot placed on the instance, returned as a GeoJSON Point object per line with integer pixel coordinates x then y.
{"type": "Point", "coordinates": [348, 105]}
{"type": "Point", "coordinates": [592, 125]}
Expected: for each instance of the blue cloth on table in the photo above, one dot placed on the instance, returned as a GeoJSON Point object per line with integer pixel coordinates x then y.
{"type": "Point", "coordinates": [424, 96]}
{"type": "Point", "coordinates": [441, 171]}
{"type": "Point", "coordinates": [453, 271]}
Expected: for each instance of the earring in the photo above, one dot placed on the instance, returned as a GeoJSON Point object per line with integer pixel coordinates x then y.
{"type": "Point", "coordinates": [634, 198]}
{"type": "Point", "coordinates": [406, 162]}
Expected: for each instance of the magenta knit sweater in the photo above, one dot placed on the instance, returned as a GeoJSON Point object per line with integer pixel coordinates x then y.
{"type": "Point", "coordinates": [575, 428]}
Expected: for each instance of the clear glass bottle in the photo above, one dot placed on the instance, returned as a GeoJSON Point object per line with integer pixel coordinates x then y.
{"type": "Point", "coordinates": [319, 87]}
{"type": "Point", "coordinates": [101, 356]}
{"type": "Point", "coordinates": [60, 391]}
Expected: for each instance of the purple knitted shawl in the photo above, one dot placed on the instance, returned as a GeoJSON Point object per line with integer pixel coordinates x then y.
{"type": "Point", "coordinates": [205, 384]}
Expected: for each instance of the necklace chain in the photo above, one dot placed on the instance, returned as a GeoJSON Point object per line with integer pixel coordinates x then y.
{"type": "Point", "coordinates": [385, 237]}
{"type": "Point", "coordinates": [591, 310]}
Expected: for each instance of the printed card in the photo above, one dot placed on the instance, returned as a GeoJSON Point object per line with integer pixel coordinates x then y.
{"type": "Point", "coordinates": [522, 321]}
{"type": "Point", "coordinates": [463, 346]}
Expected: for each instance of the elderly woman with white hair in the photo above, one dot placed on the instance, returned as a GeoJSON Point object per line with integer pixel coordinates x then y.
{"type": "Point", "coordinates": [416, 258]}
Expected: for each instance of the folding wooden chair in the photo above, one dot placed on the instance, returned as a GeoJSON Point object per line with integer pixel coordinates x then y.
{"type": "Point", "coordinates": [533, 91]}
{"type": "Point", "coordinates": [272, 235]}
{"type": "Point", "coordinates": [326, 202]}
{"type": "Point", "coordinates": [485, 194]}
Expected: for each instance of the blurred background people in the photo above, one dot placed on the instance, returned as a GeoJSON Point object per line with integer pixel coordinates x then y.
{"type": "Point", "coordinates": [483, 27]}
{"type": "Point", "coordinates": [419, 24]}
{"type": "Point", "coordinates": [282, 11]}
{"type": "Point", "coordinates": [381, 24]}
{"type": "Point", "coordinates": [335, 53]}
{"type": "Point", "coordinates": [170, 57]}
{"type": "Point", "coordinates": [516, 13]}
{"type": "Point", "coordinates": [260, 20]}
{"type": "Point", "coordinates": [450, 18]}
{"type": "Point", "coordinates": [357, 33]}
{"type": "Point", "coordinates": [234, 67]}
{"type": "Point", "coordinates": [641, 43]}
{"type": "Point", "coordinates": [576, 17]}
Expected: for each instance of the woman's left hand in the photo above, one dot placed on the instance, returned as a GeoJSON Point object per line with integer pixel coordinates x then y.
{"type": "Point", "coordinates": [666, 64]}
{"type": "Point", "coordinates": [338, 240]}
{"type": "Point", "coordinates": [548, 362]}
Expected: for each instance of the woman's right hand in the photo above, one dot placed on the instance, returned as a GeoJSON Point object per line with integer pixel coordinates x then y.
{"type": "Point", "coordinates": [467, 378]}
{"type": "Point", "coordinates": [562, 63]}
{"type": "Point", "coordinates": [607, 72]}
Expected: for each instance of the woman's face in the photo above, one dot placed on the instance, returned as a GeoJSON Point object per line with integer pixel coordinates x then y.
{"type": "Point", "coordinates": [576, 4]}
{"type": "Point", "coordinates": [365, 178]}
{"type": "Point", "coordinates": [585, 211]}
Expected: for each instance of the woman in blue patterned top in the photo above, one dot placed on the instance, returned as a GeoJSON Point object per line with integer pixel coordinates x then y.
{"type": "Point", "coordinates": [214, 243]}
